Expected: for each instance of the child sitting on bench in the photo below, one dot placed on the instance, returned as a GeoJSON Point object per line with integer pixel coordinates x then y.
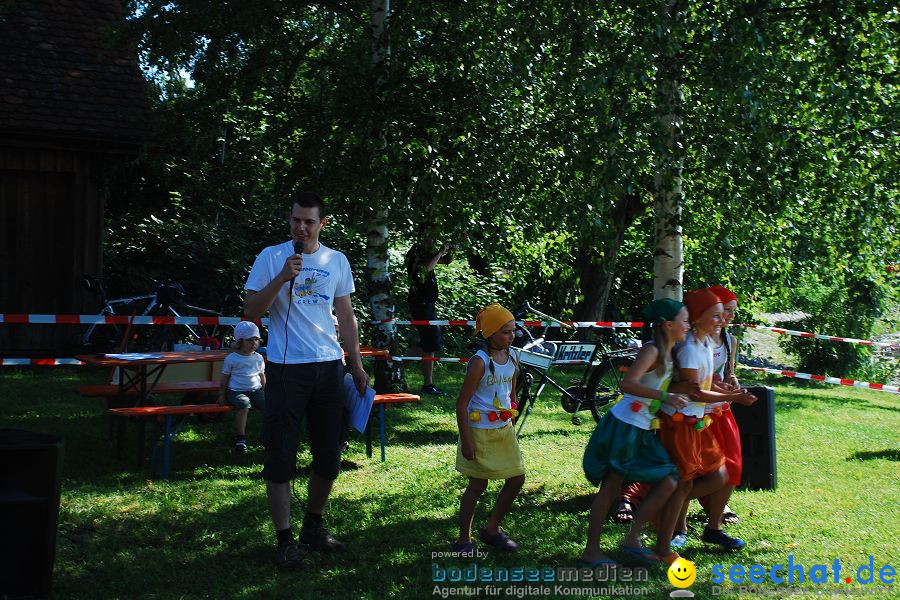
{"type": "Point", "coordinates": [243, 379]}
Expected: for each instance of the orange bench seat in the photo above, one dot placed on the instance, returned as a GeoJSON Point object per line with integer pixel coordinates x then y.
{"type": "Point", "coordinates": [381, 400]}
{"type": "Point", "coordinates": [168, 412]}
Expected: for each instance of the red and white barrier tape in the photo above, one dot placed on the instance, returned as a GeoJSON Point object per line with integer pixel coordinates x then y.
{"type": "Point", "coordinates": [456, 322]}
{"type": "Point", "coordinates": [43, 362]}
{"type": "Point", "coordinates": [172, 320]}
{"type": "Point", "coordinates": [881, 387]}
{"type": "Point", "coordinates": [463, 360]}
{"type": "Point", "coordinates": [819, 336]}
{"type": "Point", "coordinates": [118, 320]}
{"type": "Point", "coordinates": [639, 324]}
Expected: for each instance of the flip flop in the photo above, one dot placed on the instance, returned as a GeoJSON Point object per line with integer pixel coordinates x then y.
{"type": "Point", "coordinates": [642, 555]}
{"type": "Point", "coordinates": [596, 563]}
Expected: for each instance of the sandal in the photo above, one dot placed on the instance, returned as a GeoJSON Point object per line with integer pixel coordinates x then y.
{"type": "Point", "coordinates": [624, 514]}
{"type": "Point", "coordinates": [729, 517]}
{"type": "Point", "coordinates": [643, 555]}
{"type": "Point", "coordinates": [500, 540]}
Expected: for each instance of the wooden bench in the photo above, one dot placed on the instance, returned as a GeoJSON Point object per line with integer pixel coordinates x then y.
{"type": "Point", "coordinates": [111, 390]}
{"type": "Point", "coordinates": [115, 397]}
{"type": "Point", "coordinates": [168, 412]}
{"type": "Point", "coordinates": [380, 401]}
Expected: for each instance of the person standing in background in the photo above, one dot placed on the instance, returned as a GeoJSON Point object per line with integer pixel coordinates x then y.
{"type": "Point", "coordinates": [421, 260]}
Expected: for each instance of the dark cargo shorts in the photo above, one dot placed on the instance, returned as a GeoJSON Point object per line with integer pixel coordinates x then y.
{"type": "Point", "coordinates": [310, 392]}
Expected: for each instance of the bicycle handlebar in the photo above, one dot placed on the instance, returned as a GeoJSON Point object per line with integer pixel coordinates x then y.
{"type": "Point", "coordinates": [562, 324]}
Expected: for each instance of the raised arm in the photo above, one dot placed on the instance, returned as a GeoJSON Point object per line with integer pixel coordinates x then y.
{"type": "Point", "coordinates": [257, 303]}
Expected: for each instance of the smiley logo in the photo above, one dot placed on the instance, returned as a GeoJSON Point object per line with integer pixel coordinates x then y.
{"type": "Point", "coordinates": [682, 573]}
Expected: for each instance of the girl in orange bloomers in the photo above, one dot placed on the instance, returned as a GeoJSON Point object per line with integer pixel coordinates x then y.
{"type": "Point", "coordinates": [723, 426]}
{"type": "Point", "coordinates": [686, 434]}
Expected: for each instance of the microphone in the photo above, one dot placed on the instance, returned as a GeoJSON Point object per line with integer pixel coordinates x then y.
{"type": "Point", "coordinates": [298, 249]}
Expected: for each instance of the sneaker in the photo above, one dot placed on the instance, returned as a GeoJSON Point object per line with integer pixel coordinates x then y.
{"type": "Point", "coordinates": [717, 536]}
{"type": "Point", "coordinates": [432, 390]}
{"type": "Point", "coordinates": [318, 537]}
{"type": "Point", "coordinates": [463, 547]}
{"type": "Point", "coordinates": [287, 556]}
{"type": "Point", "coordinates": [499, 540]}
{"type": "Point", "coordinates": [679, 540]}
{"type": "Point", "coordinates": [240, 446]}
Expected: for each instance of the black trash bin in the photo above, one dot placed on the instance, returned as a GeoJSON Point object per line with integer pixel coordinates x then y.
{"type": "Point", "coordinates": [757, 426]}
{"type": "Point", "coordinates": [30, 469]}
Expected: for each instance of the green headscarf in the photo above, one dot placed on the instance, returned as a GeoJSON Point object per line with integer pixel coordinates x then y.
{"type": "Point", "coordinates": [663, 309]}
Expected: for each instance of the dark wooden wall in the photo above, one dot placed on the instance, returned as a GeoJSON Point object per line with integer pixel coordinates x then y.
{"type": "Point", "coordinates": [51, 224]}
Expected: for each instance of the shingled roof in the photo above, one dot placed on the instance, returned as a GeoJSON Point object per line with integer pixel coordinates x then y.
{"type": "Point", "coordinates": [61, 77]}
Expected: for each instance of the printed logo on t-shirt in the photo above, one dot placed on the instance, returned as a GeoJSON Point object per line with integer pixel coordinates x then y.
{"type": "Point", "coordinates": [498, 380]}
{"type": "Point", "coordinates": [309, 286]}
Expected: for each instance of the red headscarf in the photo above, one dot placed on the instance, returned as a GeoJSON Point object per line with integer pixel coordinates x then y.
{"type": "Point", "coordinates": [699, 301]}
{"type": "Point", "coordinates": [724, 294]}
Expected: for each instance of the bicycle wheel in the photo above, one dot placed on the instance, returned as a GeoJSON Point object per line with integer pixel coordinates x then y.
{"type": "Point", "coordinates": [523, 395]}
{"type": "Point", "coordinates": [603, 387]}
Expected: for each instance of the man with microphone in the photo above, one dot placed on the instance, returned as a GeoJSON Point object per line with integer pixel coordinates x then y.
{"type": "Point", "coordinates": [298, 282]}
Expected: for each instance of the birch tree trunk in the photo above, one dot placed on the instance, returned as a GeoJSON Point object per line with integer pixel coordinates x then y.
{"type": "Point", "coordinates": [388, 374]}
{"type": "Point", "coordinates": [668, 261]}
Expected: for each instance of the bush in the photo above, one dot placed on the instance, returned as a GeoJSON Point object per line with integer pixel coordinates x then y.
{"type": "Point", "coordinates": [847, 309]}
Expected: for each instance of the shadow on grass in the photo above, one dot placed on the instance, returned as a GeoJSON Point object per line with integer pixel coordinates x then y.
{"type": "Point", "coordinates": [889, 454]}
{"type": "Point", "coordinates": [188, 553]}
{"type": "Point", "coordinates": [576, 505]}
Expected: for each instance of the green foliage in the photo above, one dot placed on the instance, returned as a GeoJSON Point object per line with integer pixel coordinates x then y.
{"type": "Point", "coordinates": [851, 307]}
{"type": "Point", "coordinates": [525, 140]}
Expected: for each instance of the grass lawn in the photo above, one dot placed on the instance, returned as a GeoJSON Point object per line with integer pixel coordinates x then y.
{"type": "Point", "coordinates": [206, 533]}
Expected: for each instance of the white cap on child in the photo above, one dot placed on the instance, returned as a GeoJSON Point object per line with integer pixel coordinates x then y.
{"type": "Point", "coordinates": [246, 330]}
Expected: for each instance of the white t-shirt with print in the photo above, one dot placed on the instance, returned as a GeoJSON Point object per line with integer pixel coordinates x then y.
{"type": "Point", "coordinates": [311, 335]}
{"type": "Point", "coordinates": [499, 384]}
{"type": "Point", "coordinates": [694, 354]}
{"type": "Point", "coordinates": [245, 370]}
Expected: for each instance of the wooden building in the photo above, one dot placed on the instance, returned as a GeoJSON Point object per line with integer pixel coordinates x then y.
{"type": "Point", "coordinates": [72, 103]}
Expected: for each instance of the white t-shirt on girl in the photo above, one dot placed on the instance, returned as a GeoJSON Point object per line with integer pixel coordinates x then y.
{"type": "Point", "coordinates": [498, 383]}
{"type": "Point", "coordinates": [642, 418]}
{"type": "Point", "coordinates": [245, 370]}
{"type": "Point", "coordinates": [694, 354]}
{"type": "Point", "coordinates": [325, 275]}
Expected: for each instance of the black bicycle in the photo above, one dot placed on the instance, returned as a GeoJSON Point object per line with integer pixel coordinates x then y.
{"type": "Point", "coordinates": [167, 300]}
{"type": "Point", "coordinates": [600, 380]}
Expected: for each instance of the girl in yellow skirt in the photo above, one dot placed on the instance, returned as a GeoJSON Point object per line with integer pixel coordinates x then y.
{"type": "Point", "coordinates": [487, 447]}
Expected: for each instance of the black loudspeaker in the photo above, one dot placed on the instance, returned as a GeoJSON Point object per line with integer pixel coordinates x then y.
{"type": "Point", "coordinates": [30, 470]}
{"type": "Point", "coordinates": [757, 426]}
